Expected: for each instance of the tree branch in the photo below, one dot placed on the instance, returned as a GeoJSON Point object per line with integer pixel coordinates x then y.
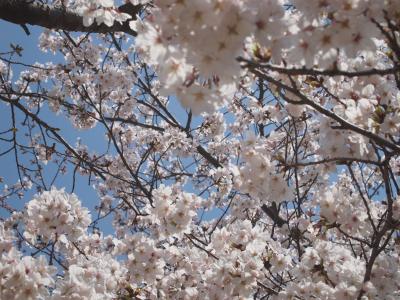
{"type": "Point", "coordinates": [317, 72]}
{"type": "Point", "coordinates": [56, 17]}
{"type": "Point", "coordinates": [272, 212]}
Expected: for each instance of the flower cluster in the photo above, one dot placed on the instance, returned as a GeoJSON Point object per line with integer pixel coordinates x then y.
{"type": "Point", "coordinates": [173, 210]}
{"type": "Point", "coordinates": [258, 177]}
{"type": "Point", "coordinates": [55, 215]}
{"type": "Point", "coordinates": [100, 277]}
{"type": "Point", "coordinates": [277, 178]}
{"type": "Point", "coordinates": [326, 271]}
{"type": "Point", "coordinates": [7, 239]}
{"type": "Point", "coordinates": [144, 260]}
{"type": "Point", "coordinates": [24, 277]}
{"type": "Point", "coordinates": [101, 11]}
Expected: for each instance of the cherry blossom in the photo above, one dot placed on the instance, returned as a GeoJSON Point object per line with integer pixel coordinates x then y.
{"type": "Point", "coordinates": [55, 214]}
{"type": "Point", "coordinates": [243, 150]}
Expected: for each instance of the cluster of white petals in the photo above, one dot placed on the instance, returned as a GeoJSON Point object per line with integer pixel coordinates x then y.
{"type": "Point", "coordinates": [174, 210]}
{"type": "Point", "coordinates": [55, 215]}
{"type": "Point", "coordinates": [145, 263]}
{"type": "Point", "coordinates": [101, 11]}
{"type": "Point", "coordinates": [93, 277]}
{"type": "Point", "coordinates": [257, 176]}
{"type": "Point", "coordinates": [326, 271]}
{"type": "Point", "coordinates": [25, 277]}
{"type": "Point", "coordinates": [251, 151]}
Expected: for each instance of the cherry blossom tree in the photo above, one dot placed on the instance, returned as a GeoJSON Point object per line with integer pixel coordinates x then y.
{"type": "Point", "coordinates": [253, 150]}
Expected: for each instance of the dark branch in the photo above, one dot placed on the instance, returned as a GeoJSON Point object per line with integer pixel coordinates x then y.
{"type": "Point", "coordinates": [56, 17]}
{"type": "Point", "coordinates": [315, 72]}
{"type": "Point", "coordinates": [272, 212]}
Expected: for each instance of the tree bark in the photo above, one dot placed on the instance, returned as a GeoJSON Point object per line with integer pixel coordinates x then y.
{"type": "Point", "coordinates": [24, 12]}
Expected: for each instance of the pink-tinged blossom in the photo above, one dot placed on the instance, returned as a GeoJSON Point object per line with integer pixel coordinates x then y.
{"type": "Point", "coordinates": [25, 277]}
{"type": "Point", "coordinates": [252, 152]}
{"type": "Point", "coordinates": [55, 214]}
{"type": "Point", "coordinates": [174, 210]}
